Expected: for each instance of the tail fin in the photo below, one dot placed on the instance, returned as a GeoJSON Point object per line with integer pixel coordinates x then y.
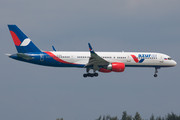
{"type": "Point", "coordinates": [22, 42]}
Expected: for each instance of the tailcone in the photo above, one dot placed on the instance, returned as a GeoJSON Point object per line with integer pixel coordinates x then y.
{"type": "Point", "coordinates": [13, 56]}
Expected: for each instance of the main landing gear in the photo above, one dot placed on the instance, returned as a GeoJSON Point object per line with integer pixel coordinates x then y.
{"type": "Point", "coordinates": [90, 75]}
{"type": "Point", "coordinates": [156, 71]}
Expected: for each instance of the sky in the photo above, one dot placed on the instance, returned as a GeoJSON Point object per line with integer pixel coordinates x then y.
{"type": "Point", "coordinates": [34, 92]}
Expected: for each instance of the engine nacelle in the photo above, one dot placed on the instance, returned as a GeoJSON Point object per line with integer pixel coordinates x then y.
{"type": "Point", "coordinates": [116, 67]}
{"type": "Point", "coordinates": [104, 70]}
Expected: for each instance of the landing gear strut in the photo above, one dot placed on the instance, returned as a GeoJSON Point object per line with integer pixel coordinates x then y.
{"type": "Point", "coordinates": [156, 71]}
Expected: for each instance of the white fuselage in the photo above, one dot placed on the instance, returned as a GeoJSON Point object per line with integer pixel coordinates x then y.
{"type": "Point", "coordinates": [150, 59]}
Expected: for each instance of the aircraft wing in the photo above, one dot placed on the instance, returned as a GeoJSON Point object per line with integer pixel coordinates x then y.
{"type": "Point", "coordinates": [95, 60]}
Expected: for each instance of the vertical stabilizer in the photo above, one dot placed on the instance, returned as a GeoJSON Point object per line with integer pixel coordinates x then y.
{"type": "Point", "coordinates": [22, 42]}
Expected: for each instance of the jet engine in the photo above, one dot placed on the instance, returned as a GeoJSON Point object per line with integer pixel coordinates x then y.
{"type": "Point", "coordinates": [104, 70]}
{"type": "Point", "coordinates": [115, 67]}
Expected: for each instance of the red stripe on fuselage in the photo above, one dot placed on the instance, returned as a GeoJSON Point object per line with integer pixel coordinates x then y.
{"type": "Point", "coordinates": [56, 58]}
{"type": "Point", "coordinates": [16, 40]}
{"type": "Point", "coordinates": [135, 58]}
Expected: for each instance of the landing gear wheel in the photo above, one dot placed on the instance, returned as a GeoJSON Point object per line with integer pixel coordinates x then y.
{"type": "Point", "coordinates": [95, 74]}
{"type": "Point", "coordinates": [85, 75]}
{"type": "Point", "coordinates": [92, 75]}
{"type": "Point", "coordinates": [88, 74]}
{"type": "Point", "coordinates": [155, 75]}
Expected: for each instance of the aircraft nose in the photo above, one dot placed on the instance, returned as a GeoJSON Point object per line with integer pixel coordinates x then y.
{"type": "Point", "coordinates": [174, 63]}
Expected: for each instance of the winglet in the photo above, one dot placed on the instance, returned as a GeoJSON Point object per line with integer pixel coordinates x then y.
{"type": "Point", "coordinates": [90, 48]}
{"type": "Point", "coordinates": [53, 48]}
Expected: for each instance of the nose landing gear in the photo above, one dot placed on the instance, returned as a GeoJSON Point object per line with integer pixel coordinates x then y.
{"type": "Point", "coordinates": [156, 71]}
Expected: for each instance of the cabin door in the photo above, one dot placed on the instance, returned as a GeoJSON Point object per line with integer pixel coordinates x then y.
{"type": "Point", "coordinates": [128, 58]}
{"type": "Point", "coordinates": [161, 59]}
{"type": "Point", "coordinates": [41, 57]}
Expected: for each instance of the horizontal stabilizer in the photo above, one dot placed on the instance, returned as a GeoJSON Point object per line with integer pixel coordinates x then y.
{"type": "Point", "coordinates": [27, 57]}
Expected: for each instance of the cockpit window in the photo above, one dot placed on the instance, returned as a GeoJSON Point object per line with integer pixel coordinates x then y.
{"type": "Point", "coordinates": [169, 59]}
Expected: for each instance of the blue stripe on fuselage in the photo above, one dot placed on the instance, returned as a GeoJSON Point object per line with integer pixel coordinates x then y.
{"type": "Point", "coordinates": [41, 58]}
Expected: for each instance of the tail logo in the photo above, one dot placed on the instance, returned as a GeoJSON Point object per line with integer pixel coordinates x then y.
{"type": "Point", "coordinates": [25, 42]}
{"type": "Point", "coordinates": [136, 59]}
{"type": "Point", "coordinates": [17, 42]}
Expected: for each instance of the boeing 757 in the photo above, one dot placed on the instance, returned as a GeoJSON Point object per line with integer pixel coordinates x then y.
{"type": "Point", "coordinates": [105, 62]}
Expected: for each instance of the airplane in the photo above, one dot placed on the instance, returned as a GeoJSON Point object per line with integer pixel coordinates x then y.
{"type": "Point", "coordinates": [105, 62]}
